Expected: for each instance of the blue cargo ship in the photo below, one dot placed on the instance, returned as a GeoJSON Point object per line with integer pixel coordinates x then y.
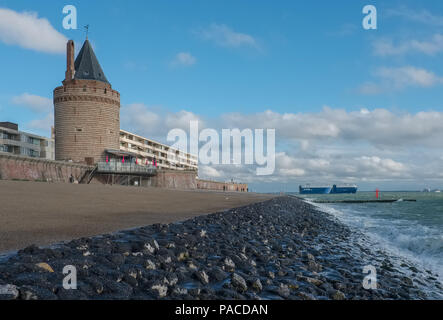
{"type": "Point", "coordinates": [307, 189]}
{"type": "Point", "coordinates": [335, 189]}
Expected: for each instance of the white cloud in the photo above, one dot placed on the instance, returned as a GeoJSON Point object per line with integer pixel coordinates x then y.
{"type": "Point", "coordinates": [383, 165]}
{"type": "Point", "coordinates": [208, 172]}
{"type": "Point", "coordinates": [408, 76]}
{"type": "Point", "coordinates": [386, 47]}
{"type": "Point", "coordinates": [44, 124]}
{"type": "Point", "coordinates": [183, 59]}
{"type": "Point", "coordinates": [28, 31]}
{"type": "Point", "coordinates": [333, 145]}
{"type": "Point", "coordinates": [224, 36]}
{"type": "Point", "coordinates": [394, 79]}
{"type": "Point", "coordinates": [294, 172]}
{"type": "Point", "coordinates": [379, 127]}
{"type": "Point", "coordinates": [181, 120]}
{"type": "Point", "coordinates": [33, 102]}
{"type": "Point", "coordinates": [416, 15]}
{"type": "Point", "coordinates": [154, 122]}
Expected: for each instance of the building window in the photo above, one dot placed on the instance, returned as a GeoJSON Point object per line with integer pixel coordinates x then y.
{"type": "Point", "coordinates": [79, 129]}
{"type": "Point", "coordinates": [84, 88]}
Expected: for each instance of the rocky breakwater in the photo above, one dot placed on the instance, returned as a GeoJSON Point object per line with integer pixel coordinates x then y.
{"type": "Point", "coordinates": [279, 249]}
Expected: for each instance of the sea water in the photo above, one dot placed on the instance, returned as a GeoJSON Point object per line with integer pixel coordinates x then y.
{"type": "Point", "coordinates": [413, 230]}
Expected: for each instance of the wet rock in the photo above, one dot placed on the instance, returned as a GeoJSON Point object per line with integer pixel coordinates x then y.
{"type": "Point", "coordinates": [305, 296]}
{"type": "Point", "coordinates": [229, 265]}
{"type": "Point", "coordinates": [149, 265]}
{"type": "Point", "coordinates": [118, 287]}
{"type": "Point", "coordinates": [117, 258]}
{"type": "Point", "coordinates": [202, 233]}
{"type": "Point", "coordinates": [96, 285]}
{"type": "Point", "coordinates": [180, 291]}
{"type": "Point", "coordinates": [32, 250]}
{"type": "Point", "coordinates": [256, 285]}
{"type": "Point", "coordinates": [171, 279]}
{"type": "Point", "coordinates": [162, 290]}
{"type": "Point", "coordinates": [314, 281]}
{"type": "Point", "coordinates": [45, 266]}
{"type": "Point", "coordinates": [183, 255]}
{"type": "Point", "coordinates": [238, 282]}
{"type": "Point", "coordinates": [283, 291]}
{"type": "Point", "coordinates": [202, 276]}
{"type": "Point", "coordinates": [407, 282]}
{"type": "Point", "coordinates": [9, 292]}
{"type": "Point", "coordinates": [338, 295]}
{"type": "Point", "coordinates": [152, 246]}
{"type": "Point", "coordinates": [36, 293]}
{"type": "Point", "coordinates": [217, 274]}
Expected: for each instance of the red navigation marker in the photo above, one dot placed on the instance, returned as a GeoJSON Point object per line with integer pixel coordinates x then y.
{"type": "Point", "coordinates": [376, 193]}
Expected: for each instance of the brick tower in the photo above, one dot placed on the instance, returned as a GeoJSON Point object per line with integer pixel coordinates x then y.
{"type": "Point", "coordinates": [86, 110]}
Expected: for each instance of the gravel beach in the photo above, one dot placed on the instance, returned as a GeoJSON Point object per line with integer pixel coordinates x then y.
{"type": "Point", "coordinates": [281, 248]}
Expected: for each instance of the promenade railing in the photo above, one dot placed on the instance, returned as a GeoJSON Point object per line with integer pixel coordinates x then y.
{"type": "Point", "coordinates": [126, 168]}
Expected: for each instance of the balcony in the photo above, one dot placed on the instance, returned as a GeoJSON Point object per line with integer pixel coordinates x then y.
{"type": "Point", "coordinates": [126, 168]}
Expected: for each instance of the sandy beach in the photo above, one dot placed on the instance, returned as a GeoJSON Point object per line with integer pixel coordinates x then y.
{"type": "Point", "coordinates": [44, 213]}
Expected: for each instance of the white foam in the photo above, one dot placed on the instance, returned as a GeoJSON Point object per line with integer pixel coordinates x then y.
{"type": "Point", "coordinates": [420, 245]}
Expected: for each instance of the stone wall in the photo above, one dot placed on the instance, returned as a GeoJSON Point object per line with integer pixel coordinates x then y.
{"type": "Point", "coordinates": [173, 179]}
{"type": "Point", "coordinates": [222, 186]}
{"type": "Point", "coordinates": [14, 167]}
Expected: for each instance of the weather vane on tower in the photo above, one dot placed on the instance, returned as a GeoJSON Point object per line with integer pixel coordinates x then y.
{"type": "Point", "coordinates": [87, 30]}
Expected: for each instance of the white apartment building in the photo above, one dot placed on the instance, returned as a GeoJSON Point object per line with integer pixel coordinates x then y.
{"type": "Point", "coordinates": [148, 151]}
{"type": "Point", "coordinates": [24, 144]}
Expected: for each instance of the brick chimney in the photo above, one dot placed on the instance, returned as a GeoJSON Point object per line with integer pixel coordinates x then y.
{"type": "Point", "coordinates": [70, 69]}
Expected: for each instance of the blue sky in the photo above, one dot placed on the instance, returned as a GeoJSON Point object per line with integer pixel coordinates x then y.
{"type": "Point", "coordinates": [209, 59]}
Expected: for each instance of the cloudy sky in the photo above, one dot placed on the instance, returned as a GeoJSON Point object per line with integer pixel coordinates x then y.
{"type": "Point", "coordinates": [348, 104]}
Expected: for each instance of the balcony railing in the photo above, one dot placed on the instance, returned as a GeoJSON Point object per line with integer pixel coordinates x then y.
{"type": "Point", "coordinates": [126, 168]}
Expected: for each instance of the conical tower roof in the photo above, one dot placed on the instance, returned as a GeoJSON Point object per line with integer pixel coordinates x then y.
{"type": "Point", "coordinates": [87, 66]}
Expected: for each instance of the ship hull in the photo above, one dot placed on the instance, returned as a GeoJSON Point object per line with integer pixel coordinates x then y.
{"type": "Point", "coordinates": [315, 190]}
{"type": "Point", "coordinates": [343, 190]}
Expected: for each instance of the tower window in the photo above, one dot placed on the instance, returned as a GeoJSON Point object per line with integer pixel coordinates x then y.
{"type": "Point", "coordinates": [84, 88]}
{"type": "Point", "coordinates": [79, 129]}
{"type": "Point", "coordinates": [106, 91]}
